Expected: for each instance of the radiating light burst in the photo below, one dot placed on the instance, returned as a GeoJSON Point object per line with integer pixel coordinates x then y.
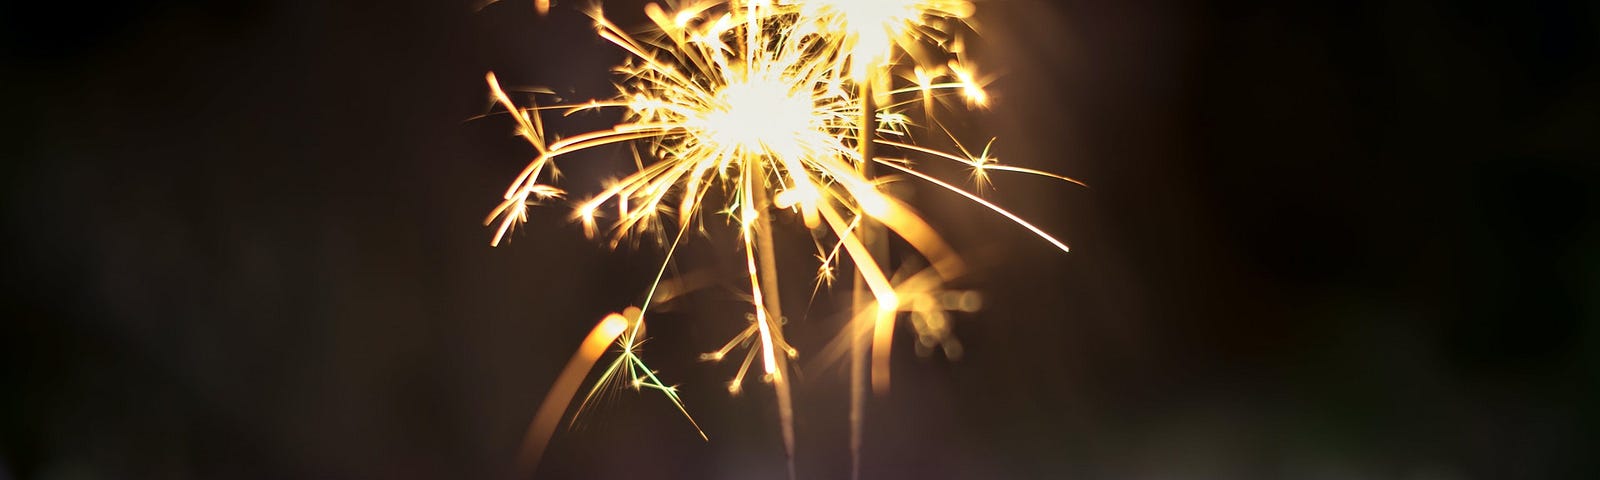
{"type": "Point", "coordinates": [761, 115]}
{"type": "Point", "coordinates": [771, 104]}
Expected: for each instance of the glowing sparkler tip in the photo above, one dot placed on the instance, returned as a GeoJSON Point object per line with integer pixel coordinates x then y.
{"type": "Point", "coordinates": [759, 114]}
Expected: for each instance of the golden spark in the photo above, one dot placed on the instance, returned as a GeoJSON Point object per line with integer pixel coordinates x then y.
{"type": "Point", "coordinates": [773, 104]}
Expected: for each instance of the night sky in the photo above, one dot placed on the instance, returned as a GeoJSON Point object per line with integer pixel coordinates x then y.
{"type": "Point", "coordinates": [1342, 240]}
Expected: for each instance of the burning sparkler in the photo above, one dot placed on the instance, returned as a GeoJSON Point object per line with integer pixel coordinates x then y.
{"type": "Point", "coordinates": [781, 106]}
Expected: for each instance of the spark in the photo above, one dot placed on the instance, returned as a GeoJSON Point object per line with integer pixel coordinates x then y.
{"type": "Point", "coordinates": [773, 104]}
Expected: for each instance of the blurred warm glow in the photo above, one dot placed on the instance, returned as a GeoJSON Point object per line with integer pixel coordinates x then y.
{"type": "Point", "coordinates": [870, 29]}
{"type": "Point", "coordinates": [566, 385]}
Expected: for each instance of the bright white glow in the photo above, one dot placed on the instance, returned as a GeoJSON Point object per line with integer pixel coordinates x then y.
{"type": "Point", "coordinates": [760, 115]}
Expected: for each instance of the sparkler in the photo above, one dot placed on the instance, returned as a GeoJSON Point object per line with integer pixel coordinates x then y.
{"type": "Point", "coordinates": [783, 107]}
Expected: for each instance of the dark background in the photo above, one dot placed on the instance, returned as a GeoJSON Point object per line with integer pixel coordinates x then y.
{"type": "Point", "coordinates": [1347, 240]}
